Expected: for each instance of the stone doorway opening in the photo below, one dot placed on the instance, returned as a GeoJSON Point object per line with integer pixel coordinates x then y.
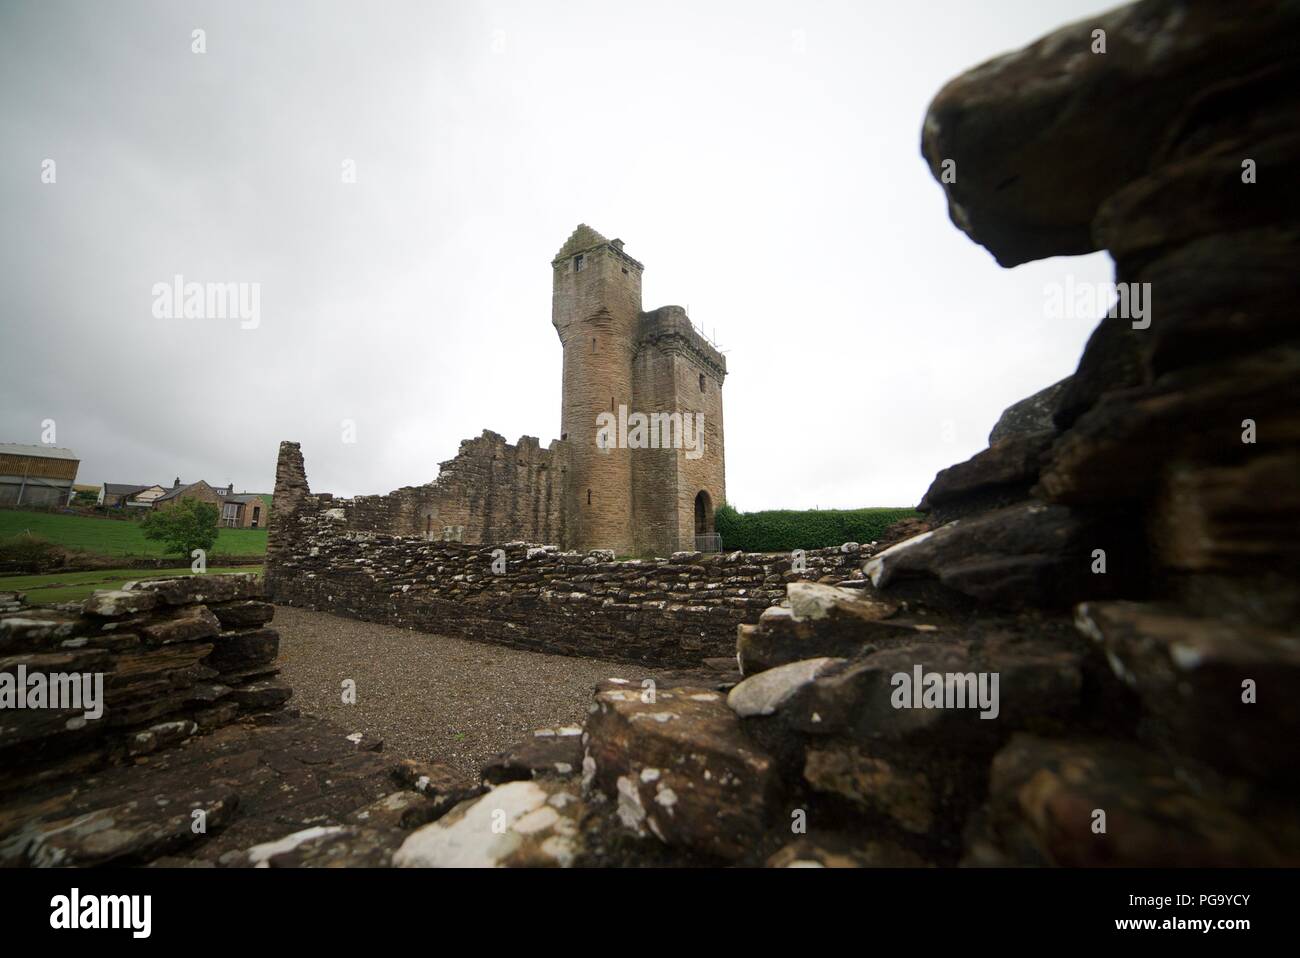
{"type": "Point", "coordinates": [706, 540]}
{"type": "Point", "coordinates": [703, 514]}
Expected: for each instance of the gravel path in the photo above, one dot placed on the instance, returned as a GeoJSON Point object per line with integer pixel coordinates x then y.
{"type": "Point", "coordinates": [431, 697]}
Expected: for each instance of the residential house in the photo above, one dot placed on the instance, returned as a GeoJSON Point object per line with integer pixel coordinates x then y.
{"type": "Point", "coordinates": [192, 490]}
{"type": "Point", "coordinates": [120, 495]}
{"type": "Point", "coordinates": [245, 510]}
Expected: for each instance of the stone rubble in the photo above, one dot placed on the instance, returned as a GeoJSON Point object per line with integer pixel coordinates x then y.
{"type": "Point", "coordinates": [173, 665]}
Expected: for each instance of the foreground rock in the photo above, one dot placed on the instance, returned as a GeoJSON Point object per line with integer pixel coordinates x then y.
{"type": "Point", "coordinates": [548, 751]}
{"type": "Point", "coordinates": [818, 621]}
{"type": "Point", "coordinates": [1067, 102]}
{"type": "Point", "coordinates": [1218, 690]}
{"type": "Point", "coordinates": [168, 666]}
{"type": "Point", "coordinates": [515, 825]}
{"type": "Point", "coordinates": [1107, 803]}
{"type": "Point", "coordinates": [681, 769]}
{"type": "Point", "coordinates": [1032, 553]}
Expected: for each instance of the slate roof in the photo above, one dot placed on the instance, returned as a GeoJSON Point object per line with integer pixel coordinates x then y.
{"type": "Point", "coordinates": [123, 488]}
{"type": "Point", "coordinates": [37, 452]}
{"type": "Point", "coordinates": [223, 491]}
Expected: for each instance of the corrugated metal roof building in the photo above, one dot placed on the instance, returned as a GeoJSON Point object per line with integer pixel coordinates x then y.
{"type": "Point", "coordinates": [38, 476]}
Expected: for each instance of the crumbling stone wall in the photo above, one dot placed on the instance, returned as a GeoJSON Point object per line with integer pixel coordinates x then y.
{"type": "Point", "coordinates": [177, 657]}
{"type": "Point", "coordinates": [675, 611]}
{"type": "Point", "coordinates": [490, 492]}
{"type": "Point", "coordinates": [495, 492]}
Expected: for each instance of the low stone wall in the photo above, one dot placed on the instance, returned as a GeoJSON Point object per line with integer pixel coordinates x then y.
{"type": "Point", "coordinates": [160, 660]}
{"type": "Point", "coordinates": [674, 612]}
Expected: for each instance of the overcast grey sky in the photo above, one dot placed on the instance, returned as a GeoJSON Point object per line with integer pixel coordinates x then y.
{"type": "Point", "coordinates": [761, 159]}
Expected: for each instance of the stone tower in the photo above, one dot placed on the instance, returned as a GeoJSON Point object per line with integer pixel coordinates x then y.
{"type": "Point", "coordinates": [595, 306]}
{"type": "Point", "coordinates": [637, 495]}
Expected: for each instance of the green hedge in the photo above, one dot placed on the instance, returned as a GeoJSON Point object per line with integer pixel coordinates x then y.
{"type": "Point", "coordinates": [779, 530]}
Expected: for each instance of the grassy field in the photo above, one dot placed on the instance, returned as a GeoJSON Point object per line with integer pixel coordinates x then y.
{"type": "Point", "coordinates": [116, 537]}
{"type": "Point", "coordinates": [75, 586]}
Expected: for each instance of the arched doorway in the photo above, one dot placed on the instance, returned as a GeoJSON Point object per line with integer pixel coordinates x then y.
{"type": "Point", "coordinates": [703, 514]}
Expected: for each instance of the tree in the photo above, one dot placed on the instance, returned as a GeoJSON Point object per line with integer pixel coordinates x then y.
{"type": "Point", "coordinates": [184, 527]}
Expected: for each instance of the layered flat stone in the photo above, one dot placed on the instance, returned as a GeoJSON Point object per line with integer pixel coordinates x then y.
{"type": "Point", "coordinates": [518, 824]}
{"type": "Point", "coordinates": [233, 651]}
{"type": "Point", "coordinates": [399, 810]}
{"type": "Point", "coordinates": [680, 768]}
{"type": "Point", "coordinates": [436, 782]}
{"type": "Point", "coordinates": [905, 796]}
{"type": "Point", "coordinates": [245, 614]}
{"type": "Point", "coordinates": [547, 752]}
{"type": "Point", "coordinates": [1069, 104]}
{"type": "Point", "coordinates": [1118, 449]}
{"type": "Point", "coordinates": [144, 827]}
{"type": "Point", "coordinates": [764, 693]}
{"type": "Point", "coordinates": [191, 589]}
{"type": "Point", "coordinates": [1031, 553]}
{"type": "Point", "coordinates": [189, 624]}
{"type": "Point", "coordinates": [937, 692]}
{"type": "Point", "coordinates": [820, 621]}
{"type": "Point", "coordinates": [1219, 690]}
{"type": "Point", "coordinates": [38, 629]}
{"type": "Point", "coordinates": [1105, 803]}
{"type": "Point", "coordinates": [1030, 415]}
{"type": "Point", "coordinates": [997, 476]}
{"type": "Point", "coordinates": [261, 694]}
{"type": "Point", "coordinates": [118, 602]}
{"type": "Point", "coordinates": [327, 846]}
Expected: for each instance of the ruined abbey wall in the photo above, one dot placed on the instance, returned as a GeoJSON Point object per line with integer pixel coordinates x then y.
{"type": "Point", "coordinates": [491, 492]}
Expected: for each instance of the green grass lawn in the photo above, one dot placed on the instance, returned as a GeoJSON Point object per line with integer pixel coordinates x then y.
{"type": "Point", "coordinates": [76, 586]}
{"type": "Point", "coordinates": [116, 537]}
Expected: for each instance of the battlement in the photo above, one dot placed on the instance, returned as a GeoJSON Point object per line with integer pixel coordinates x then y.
{"type": "Point", "coordinates": [669, 328]}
